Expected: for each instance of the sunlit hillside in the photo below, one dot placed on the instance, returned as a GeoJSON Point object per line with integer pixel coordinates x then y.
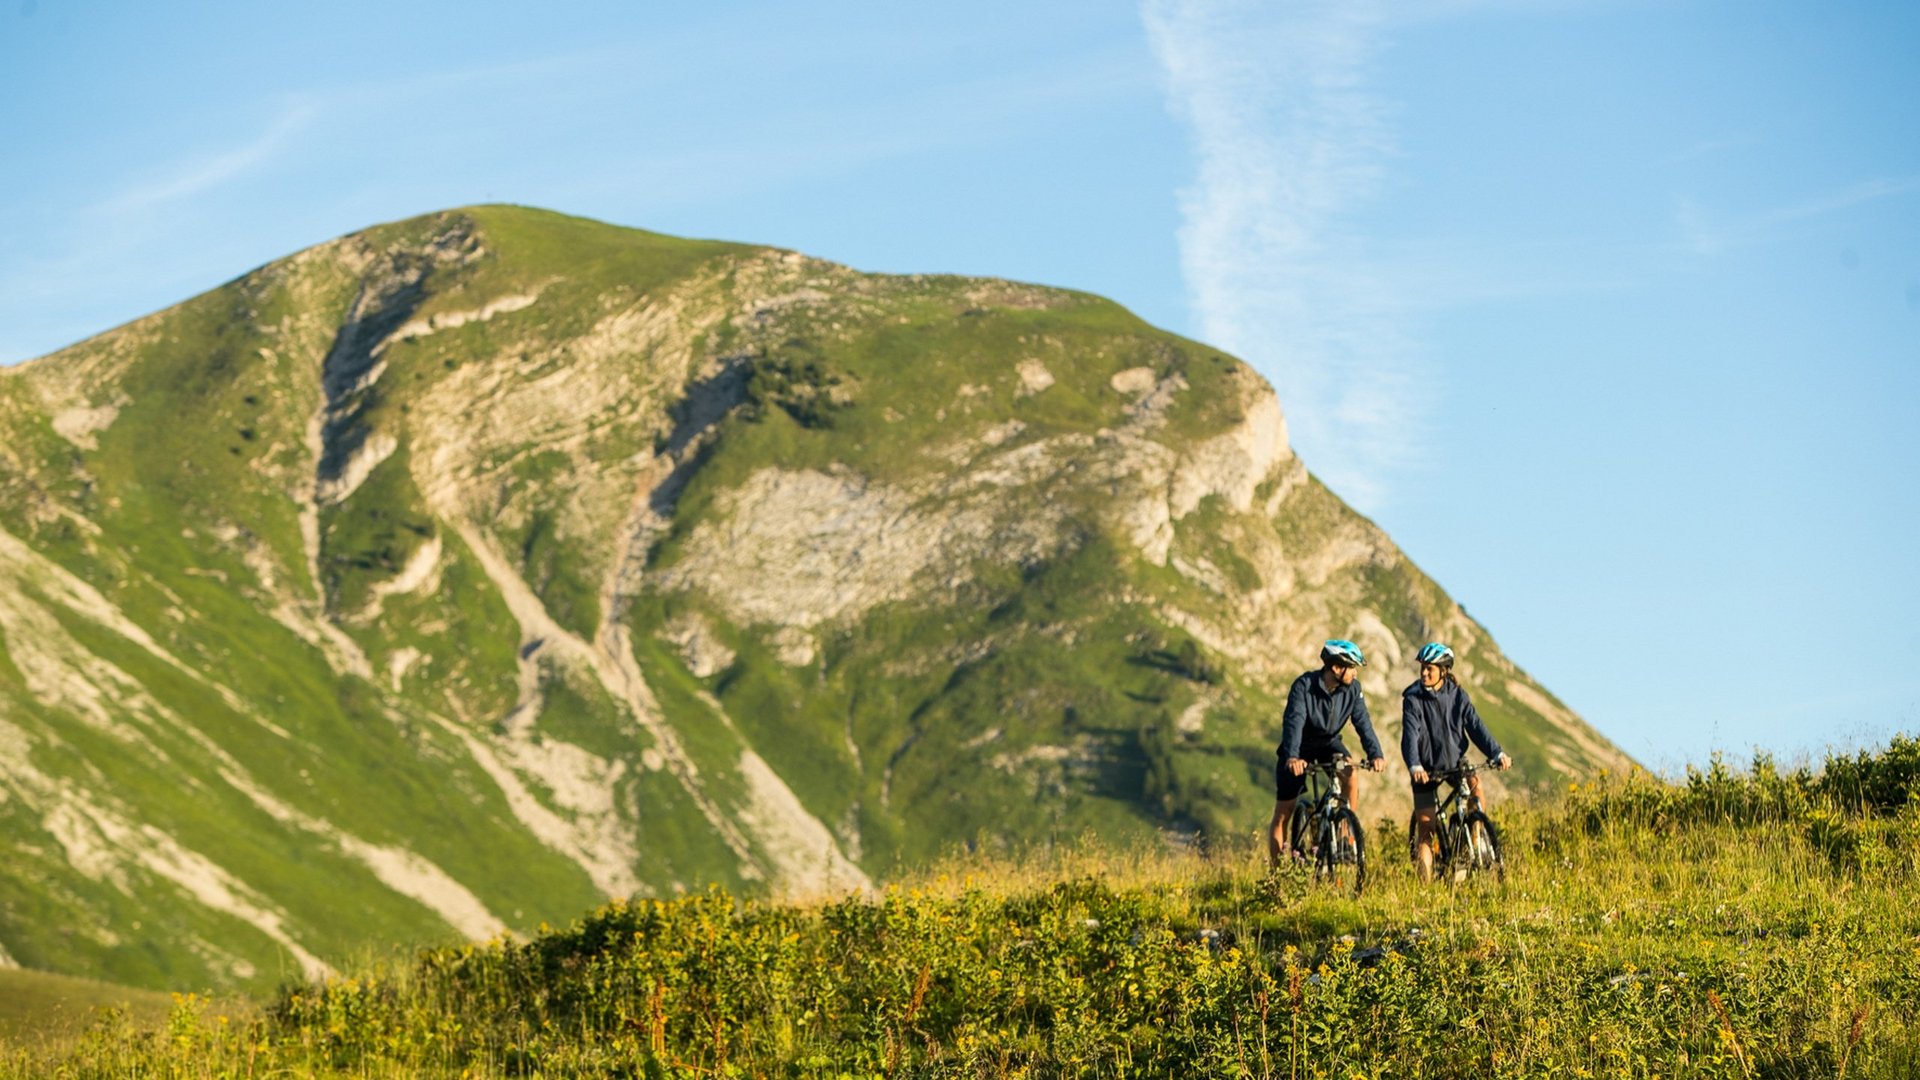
{"type": "Point", "coordinates": [469, 571]}
{"type": "Point", "coordinates": [1741, 924]}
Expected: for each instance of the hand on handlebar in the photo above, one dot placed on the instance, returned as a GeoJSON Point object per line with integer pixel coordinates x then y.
{"type": "Point", "coordinates": [1419, 775]}
{"type": "Point", "coordinates": [1504, 763]}
{"type": "Point", "coordinates": [1377, 764]}
{"type": "Point", "coordinates": [1297, 766]}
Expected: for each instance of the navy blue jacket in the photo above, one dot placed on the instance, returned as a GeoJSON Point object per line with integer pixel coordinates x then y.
{"type": "Point", "coordinates": [1314, 716]}
{"type": "Point", "coordinates": [1436, 724]}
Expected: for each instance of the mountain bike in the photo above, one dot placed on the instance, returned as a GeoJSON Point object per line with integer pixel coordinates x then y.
{"type": "Point", "coordinates": [1465, 841]}
{"type": "Point", "coordinates": [1327, 830]}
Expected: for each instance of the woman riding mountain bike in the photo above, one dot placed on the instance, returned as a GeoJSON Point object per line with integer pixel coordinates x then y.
{"type": "Point", "coordinates": [1437, 720]}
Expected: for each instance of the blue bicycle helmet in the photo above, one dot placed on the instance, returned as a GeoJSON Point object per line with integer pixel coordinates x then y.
{"type": "Point", "coordinates": [1435, 653]}
{"type": "Point", "coordinates": [1338, 651]}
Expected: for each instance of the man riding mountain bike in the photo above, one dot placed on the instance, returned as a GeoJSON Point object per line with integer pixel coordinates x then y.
{"type": "Point", "coordinates": [1319, 705]}
{"type": "Point", "coordinates": [1437, 720]}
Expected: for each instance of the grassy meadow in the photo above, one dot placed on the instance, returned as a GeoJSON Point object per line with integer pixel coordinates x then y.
{"type": "Point", "coordinates": [38, 1007]}
{"type": "Point", "coordinates": [1742, 923]}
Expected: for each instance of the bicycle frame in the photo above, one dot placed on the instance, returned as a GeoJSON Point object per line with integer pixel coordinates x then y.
{"type": "Point", "coordinates": [1452, 811]}
{"type": "Point", "coordinates": [1325, 826]}
{"type": "Point", "coordinates": [1323, 791]}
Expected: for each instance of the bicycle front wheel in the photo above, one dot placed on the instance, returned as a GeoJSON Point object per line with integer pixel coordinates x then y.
{"type": "Point", "coordinates": [1483, 854]}
{"type": "Point", "coordinates": [1342, 858]}
{"type": "Point", "coordinates": [1300, 830]}
{"type": "Point", "coordinates": [1450, 858]}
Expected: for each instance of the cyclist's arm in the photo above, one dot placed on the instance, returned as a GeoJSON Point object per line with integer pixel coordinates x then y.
{"type": "Point", "coordinates": [1477, 729]}
{"type": "Point", "coordinates": [1293, 723]}
{"type": "Point", "coordinates": [1363, 723]}
{"type": "Point", "coordinates": [1412, 738]}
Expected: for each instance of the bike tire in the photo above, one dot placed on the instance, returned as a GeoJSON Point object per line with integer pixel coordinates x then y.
{"type": "Point", "coordinates": [1451, 838]}
{"type": "Point", "coordinates": [1342, 858]}
{"type": "Point", "coordinates": [1482, 852]}
{"type": "Point", "coordinates": [1299, 829]}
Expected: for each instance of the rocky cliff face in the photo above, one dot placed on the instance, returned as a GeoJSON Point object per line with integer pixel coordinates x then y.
{"type": "Point", "coordinates": [462, 572]}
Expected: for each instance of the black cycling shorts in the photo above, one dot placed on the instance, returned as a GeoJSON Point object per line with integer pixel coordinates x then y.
{"type": "Point", "coordinates": [1426, 796]}
{"type": "Point", "coordinates": [1288, 786]}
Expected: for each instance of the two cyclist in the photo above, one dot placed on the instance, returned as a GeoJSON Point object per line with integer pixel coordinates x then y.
{"type": "Point", "coordinates": [1437, 721]}
{"type": "Point", "coordinates": [1320, 704]}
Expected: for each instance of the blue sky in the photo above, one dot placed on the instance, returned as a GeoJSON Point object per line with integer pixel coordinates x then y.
{"type": "Point", "coordinates": [1609, 312]}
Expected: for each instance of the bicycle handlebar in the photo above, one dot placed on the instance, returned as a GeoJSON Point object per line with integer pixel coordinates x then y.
{"type": "Point", "coordinates": [1461, 770]}
{"type": "Point", "coordinates": [1334, 766]}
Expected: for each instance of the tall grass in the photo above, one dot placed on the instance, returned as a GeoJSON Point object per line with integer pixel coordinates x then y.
{"type": "Point", "coordinates": [1740, 924]}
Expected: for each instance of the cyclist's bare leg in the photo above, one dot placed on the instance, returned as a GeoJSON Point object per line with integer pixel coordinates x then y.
{"type": "Point", "coordinates": [1473, 790]}
{"type": "Point", "coordinates": [1423, 844]}
{"type": "Point", "coordinates": [1349, 787]}
{"type": "Point", "coordinates": [1277, 831]}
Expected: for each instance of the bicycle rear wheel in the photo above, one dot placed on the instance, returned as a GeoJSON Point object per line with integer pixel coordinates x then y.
{"type": "Point", "coordinates": [1483, 854]}
{"type": "Point", "coordinates": [1342, 858]}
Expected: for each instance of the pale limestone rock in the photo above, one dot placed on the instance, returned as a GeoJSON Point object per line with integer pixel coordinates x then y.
{"type": "Point", "coordinates": [378, 447]}
{"type": "Point", "coordinates": [806, 856]}
{"type": "Point", "coordinates": [399, 662]}
{"type": "Point", "coordinates": [79, 425]}
{"type": "Point", "coordinates": [448, 320]}
{"type": "Point", "coordinates": [693, 638]}
{"type": "Point", "coordinates": [1234, 464]}
{"type": "Point", "coordinates": [1192, 719]}
{"type": "Point", "coordinates": [801, 547]}
{"type": "Point", "coordinates": [1034, 377]}
{"type": "Point", "coordinates": [794, 646]}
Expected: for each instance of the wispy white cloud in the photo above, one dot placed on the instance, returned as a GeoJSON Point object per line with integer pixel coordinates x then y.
{"type": "Point", "coordinates": [1290, 139]}
{"type": "Point", "coordinates": [143, 238]}
{"type": "Point", "coordinates": [206, 172]}
{"type": "Point", "coordinates": [1703, 233]}
{"type": "Point", "coordinates": [629, 129]}
{"type": "Point", "coordinates": [629, 124]}
{"type": "Point", "coordinates": [1833, 202]}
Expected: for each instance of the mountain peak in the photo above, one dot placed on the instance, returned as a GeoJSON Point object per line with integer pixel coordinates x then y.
{"type": "Point", "coordinates": [461, 572]}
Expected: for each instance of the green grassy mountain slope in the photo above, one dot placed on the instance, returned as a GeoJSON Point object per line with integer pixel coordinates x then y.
{"type": "Point", "coordinates": [1743, 924]}
{"type": "Point", "coordinates": [38, 1009]}
{"type": "Point", "coordinates": [466, 571]}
